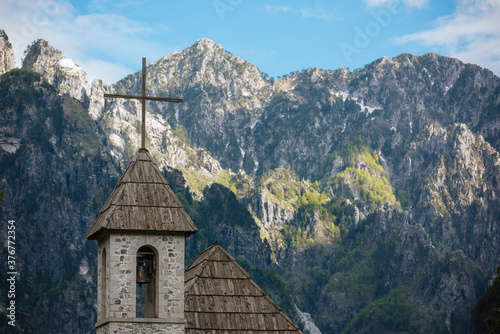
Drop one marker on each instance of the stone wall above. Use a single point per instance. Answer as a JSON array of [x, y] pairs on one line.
[[140, 328], [121, 249]]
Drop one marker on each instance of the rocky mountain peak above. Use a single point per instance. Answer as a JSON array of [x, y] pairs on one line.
[[404, 56], [40, 56], [203, 47], [206, 44], [59, 71], [381, 63], [6, 54], [203, 74]]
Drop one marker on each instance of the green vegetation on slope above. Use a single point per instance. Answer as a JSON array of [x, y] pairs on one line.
[[389, 314], [362, 176], [220, 211], [374, 191], [486, 314]]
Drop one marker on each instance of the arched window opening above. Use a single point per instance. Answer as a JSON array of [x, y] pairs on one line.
[[104, 281], [146, 283]]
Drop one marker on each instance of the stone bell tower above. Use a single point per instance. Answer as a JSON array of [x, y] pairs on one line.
[[140, 235]]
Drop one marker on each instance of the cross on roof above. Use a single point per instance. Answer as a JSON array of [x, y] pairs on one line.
[[143, 97]]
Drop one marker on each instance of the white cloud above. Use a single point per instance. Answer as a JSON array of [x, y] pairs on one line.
[[471, 34], [407, 3], [109, 24], [26, 21], [79, 37], [96, 68], [316, 12]]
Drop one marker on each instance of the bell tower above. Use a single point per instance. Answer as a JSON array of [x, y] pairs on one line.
[[140, 233]]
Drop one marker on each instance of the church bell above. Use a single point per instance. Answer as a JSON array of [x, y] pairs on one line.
[[144, 270]]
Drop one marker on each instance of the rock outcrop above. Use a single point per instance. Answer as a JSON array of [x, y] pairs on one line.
[[6, 53], [59, 71]]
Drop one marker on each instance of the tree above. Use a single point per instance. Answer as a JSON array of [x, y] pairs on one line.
[[486, 314]]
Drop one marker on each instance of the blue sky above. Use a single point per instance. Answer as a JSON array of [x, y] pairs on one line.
[[108, 38]]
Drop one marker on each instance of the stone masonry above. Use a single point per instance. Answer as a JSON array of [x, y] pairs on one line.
[[117, 314], [140, 328]]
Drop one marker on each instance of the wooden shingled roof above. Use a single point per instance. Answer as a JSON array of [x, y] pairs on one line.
[[142, 201], [221, 298]]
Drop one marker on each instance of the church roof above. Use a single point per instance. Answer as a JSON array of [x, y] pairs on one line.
[[142, 201], [220, 298]]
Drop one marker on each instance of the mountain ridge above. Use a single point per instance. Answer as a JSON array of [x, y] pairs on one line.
[[386, 177]]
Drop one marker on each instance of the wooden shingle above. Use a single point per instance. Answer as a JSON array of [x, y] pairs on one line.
[[220, 297], [142, 201]]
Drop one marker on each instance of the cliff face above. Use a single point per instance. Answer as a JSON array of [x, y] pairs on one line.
[[371, 195], [6, 54], [56, 174], [458, 200], [59, 71]]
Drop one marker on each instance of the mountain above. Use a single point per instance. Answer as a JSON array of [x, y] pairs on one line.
[[56, 173], [366, 198], [7, 56]]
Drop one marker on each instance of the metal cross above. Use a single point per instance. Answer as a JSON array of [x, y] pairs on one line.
[[143, 97]]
